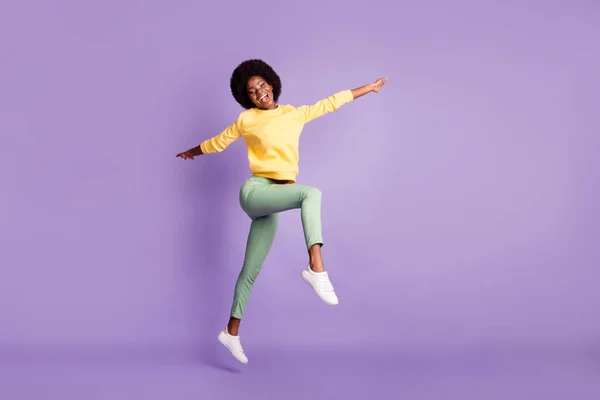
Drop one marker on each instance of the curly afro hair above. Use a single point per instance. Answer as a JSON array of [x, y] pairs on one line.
[[245, 71]]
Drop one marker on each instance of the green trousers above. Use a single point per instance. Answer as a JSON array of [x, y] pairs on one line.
[[261, 199]]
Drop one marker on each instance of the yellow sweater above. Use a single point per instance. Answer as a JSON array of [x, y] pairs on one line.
[[272, 136]]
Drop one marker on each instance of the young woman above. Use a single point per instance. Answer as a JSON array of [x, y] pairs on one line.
[[271, 132]]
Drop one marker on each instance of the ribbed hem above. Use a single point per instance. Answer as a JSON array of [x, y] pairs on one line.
[[280, 176], [203, 148]]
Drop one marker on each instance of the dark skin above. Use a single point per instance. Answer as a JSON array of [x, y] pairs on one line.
[[261, 94]]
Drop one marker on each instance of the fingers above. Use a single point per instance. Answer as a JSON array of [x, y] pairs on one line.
[[379, 83]]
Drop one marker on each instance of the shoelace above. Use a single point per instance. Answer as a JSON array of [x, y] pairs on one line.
[[326, 283], [238, 346]]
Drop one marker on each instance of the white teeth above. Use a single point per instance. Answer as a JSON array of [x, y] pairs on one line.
[[263, 96]]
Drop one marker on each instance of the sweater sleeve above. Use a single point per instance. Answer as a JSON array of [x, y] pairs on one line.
[[322, 107], [221, 141]]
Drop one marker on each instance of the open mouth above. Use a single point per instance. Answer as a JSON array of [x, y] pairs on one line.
[[264, 99]]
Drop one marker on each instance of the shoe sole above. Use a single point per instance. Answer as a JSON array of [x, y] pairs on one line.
[[220, 337], [307, 280]]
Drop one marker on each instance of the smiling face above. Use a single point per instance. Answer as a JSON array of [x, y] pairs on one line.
[[261, 93]]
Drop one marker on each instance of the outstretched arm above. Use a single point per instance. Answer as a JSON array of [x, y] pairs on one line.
[[215, 144], [371, 87], [332, 103]]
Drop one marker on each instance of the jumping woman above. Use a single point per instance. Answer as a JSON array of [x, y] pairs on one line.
[[271, 132]]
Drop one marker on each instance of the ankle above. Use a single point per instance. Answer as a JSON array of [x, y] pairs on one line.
[[317, 267], [232, 332], [233, 326]]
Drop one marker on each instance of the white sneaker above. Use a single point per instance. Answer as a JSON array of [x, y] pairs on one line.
[[234, 345], [321, 284]]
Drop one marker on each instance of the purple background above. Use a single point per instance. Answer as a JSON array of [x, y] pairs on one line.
[[460, 205]]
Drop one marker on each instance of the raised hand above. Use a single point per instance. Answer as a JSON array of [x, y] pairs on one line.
[[378, 84], [368, 88]]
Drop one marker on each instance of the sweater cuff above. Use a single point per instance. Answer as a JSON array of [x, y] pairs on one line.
[[203, 148], [346, 96]]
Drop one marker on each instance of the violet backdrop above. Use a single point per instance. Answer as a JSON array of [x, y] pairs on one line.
[[459, 205]]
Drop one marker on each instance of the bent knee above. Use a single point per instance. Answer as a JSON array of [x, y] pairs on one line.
[[314, 192]]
